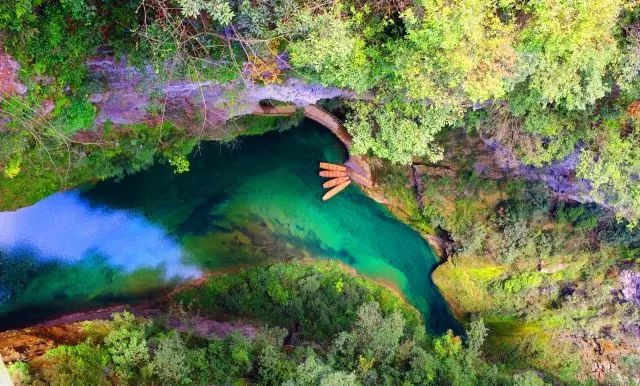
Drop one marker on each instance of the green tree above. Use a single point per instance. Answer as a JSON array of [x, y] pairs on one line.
[[565, 49], [612, 165], [528, 378], [331, 52], [370, 348], [399, 130], [476, 335], [170, 363], [229, 359], [219, 10], [313, 372], [454, 51], [80, 365], [274, 368], [128, 348]]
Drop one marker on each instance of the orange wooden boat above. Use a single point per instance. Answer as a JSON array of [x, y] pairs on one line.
[[335, 190], [328, 166], [335, 182], [332, 173]]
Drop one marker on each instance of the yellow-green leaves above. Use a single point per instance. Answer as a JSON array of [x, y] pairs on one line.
[[180, 164], [332, 53], [455, 51], [566, 47], [219, 10], [12, 168]]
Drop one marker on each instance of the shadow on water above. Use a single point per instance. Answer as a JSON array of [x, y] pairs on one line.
[[243, 205]]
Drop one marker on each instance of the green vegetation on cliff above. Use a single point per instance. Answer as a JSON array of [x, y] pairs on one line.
[[376, 341], [542, 271], [318, 299], [552, 77], [541, 79]]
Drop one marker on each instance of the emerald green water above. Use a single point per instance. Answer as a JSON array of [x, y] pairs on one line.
[[121, 241]]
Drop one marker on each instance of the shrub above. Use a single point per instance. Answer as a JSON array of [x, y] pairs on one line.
[[77, 115], [522, 282], [127, 345], [83, 364], [20, 373], [294, 295]]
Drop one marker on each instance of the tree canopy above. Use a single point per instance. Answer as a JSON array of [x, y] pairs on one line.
[[417, 67]]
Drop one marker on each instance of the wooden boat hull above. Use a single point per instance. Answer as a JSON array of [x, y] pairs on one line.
[[330, 166], [332, 173], [335, 182], [335, 190]]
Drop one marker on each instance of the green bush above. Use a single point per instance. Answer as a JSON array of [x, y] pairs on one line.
[[522, 282], [83, 364], [317, 299], [77, 115], [378, 346], [20, 373]]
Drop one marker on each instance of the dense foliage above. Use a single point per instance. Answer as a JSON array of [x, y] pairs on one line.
[[317, 300], [542, 271], [544, 80], [551, 75], [376, 345]]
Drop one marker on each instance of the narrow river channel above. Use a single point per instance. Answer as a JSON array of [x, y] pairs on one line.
[[258, 200]]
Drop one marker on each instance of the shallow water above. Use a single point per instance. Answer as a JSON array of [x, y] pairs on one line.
[[122, 241]]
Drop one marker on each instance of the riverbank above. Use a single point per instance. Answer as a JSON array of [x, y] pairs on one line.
[[29, 343], [540, 268], [453, 196]]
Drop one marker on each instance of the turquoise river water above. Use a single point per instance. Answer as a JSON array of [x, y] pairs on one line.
[[125, 241]]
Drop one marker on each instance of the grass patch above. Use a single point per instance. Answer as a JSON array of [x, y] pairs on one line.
[[464, 284]]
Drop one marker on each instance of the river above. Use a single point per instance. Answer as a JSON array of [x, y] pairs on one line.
[[254, 201]]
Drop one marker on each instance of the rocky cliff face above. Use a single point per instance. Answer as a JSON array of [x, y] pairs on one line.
[[559, 176], [630, 287], [629, 292], [9, 83], [492, 160], [32, 342], [132, 95]]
